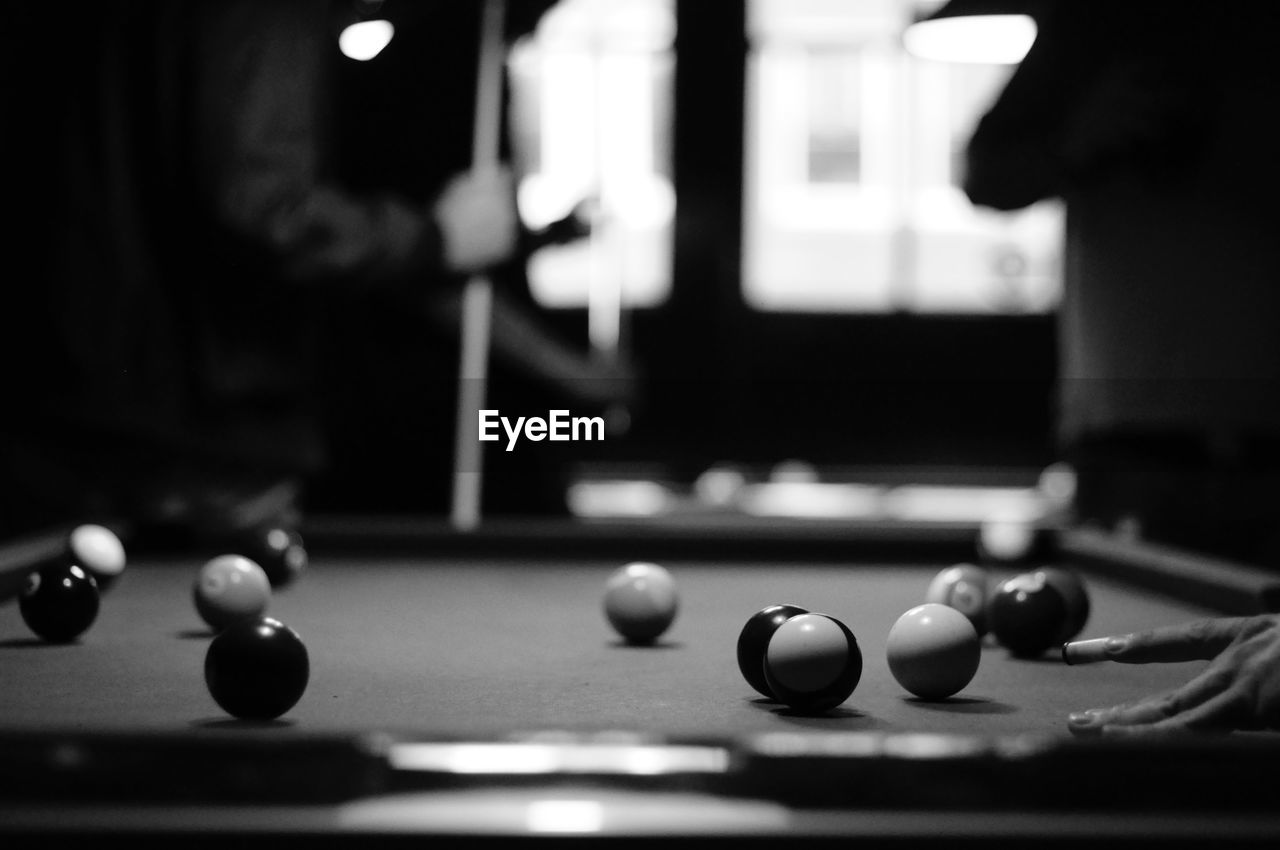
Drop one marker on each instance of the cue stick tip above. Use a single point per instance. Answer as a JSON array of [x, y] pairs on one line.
[[1086, 651]]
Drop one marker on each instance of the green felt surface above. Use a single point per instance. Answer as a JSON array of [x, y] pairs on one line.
[[494, 648]]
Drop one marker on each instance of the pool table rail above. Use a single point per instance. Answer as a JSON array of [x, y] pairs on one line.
[[800, 770]]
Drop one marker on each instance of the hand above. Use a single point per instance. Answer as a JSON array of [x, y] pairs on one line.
[[1240, 689], [478, 222], [579, 223], [524, 343]]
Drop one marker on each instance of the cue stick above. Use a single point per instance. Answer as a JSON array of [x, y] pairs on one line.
[[477, 297], [21, 558], [605, 290], [604, 319]]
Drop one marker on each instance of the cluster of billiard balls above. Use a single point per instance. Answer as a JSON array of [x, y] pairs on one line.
[[256, 667], [809, 661], [1034, 610], [1027, 614], [812, 663], [62, 595], [238, 586]]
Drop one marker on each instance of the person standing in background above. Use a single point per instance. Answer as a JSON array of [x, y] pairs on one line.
[[404, 124], [1149, 121], [187, 233]]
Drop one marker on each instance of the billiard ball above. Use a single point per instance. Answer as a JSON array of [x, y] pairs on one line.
[[1027, 614], [59, 601], [640, 601], [719, 486], [812, 663], [966, 588], [1006, 539], [1075, 594], [1128, 528], [278, 550], [1057, 486], [99, 551], [933, 651], [793, 472], [754, 639], [257, 668], [230, 588]]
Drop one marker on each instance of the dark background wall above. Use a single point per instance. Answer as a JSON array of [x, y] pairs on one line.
[[724, 381]]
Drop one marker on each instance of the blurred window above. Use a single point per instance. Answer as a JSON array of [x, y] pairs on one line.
[[854, 156], [591, 112]]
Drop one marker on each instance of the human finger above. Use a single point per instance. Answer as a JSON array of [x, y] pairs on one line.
[[1225, 712], [1198, 640], [1201, 689]]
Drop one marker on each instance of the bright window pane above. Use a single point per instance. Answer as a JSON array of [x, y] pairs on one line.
[[592, 98], [853, 156]]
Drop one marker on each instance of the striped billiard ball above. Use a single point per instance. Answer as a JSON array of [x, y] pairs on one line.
[[754, 639], [812, 663], [230, 588], [966, 588]]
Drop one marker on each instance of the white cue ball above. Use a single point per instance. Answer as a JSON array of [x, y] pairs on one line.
[[640, 601], [933, 651], [98, 550]]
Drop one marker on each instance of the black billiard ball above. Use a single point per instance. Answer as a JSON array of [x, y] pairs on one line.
[[278, 550], [59, 601], [1028, 614], [1075, 594], [754, 639], [257, 669], [99, 551], [812, 663]]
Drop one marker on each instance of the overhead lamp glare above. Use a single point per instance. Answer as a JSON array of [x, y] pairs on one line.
[[365, 39], [967, 32]]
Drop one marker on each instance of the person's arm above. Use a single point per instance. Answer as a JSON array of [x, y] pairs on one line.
[[1240, 689], [260, 85], [1013, 157], [526, 346], [523, 343], [1104, 86]]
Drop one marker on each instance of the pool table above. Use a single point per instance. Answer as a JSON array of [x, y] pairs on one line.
[[467, 687]]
